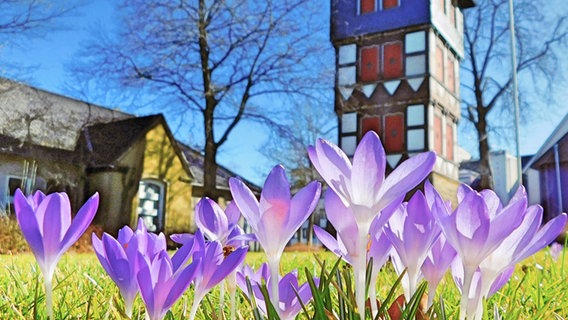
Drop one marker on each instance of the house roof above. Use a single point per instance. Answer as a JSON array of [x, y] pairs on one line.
[[12, 146], [559, 132], [105, 143], [196, 165]]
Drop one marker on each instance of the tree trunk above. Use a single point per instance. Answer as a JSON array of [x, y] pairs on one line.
[[486, 176], [210, 161]]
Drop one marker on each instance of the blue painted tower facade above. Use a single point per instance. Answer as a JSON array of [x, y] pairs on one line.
[[398, 74]]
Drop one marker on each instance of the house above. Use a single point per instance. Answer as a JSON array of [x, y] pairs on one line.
[[504, 171], [54, 143], [545, 174]]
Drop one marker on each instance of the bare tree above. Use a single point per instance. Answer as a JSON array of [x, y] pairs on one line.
[[311, 121], [486, 78], [222, 60], [24, 19]]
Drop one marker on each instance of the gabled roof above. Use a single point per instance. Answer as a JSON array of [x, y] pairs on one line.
[[104, 144], [196, 165], [12, 146], [560, 132]]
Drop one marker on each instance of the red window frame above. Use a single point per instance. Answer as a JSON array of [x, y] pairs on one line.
[[439, 64], [451, 79], [449, 142], [392, 60], [371, 124], [369, 67], [394, 133], [438, 137], [367, 6], [388, 4]]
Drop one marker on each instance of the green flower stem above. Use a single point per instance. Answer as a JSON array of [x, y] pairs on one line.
[[221, 298], [196, 301], [49, 296], [232, 287], [467, 278], [274, 266], [360, 268]]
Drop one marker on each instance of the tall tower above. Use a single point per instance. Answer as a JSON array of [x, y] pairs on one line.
[[398, 74]]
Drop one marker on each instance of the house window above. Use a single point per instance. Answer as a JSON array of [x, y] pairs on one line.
[[13, 183], [394, 133], [348, 145], [151, 204], [347, 58], [439, 71], [415, 123], [451, 80], [348, 134], [438, 137], [392, 60], [387, 4], [415, 51], [367, 6], [369, 67], [371, 124], [449, 141]]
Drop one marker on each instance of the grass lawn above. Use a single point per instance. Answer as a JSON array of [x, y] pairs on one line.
[[537, 290]]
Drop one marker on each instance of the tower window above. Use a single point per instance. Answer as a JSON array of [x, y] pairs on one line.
[[438, 143], [387, 4], [392, 60], [449, 141], [367, 6], [369, 67], [451, 80], [371, 124], [394, 133]]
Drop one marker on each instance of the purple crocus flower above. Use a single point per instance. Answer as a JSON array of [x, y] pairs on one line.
[[277, 216], [477, 227], [162, 284], [254, 276], [340, 216], [216, 265], [219, 225], [412, 231], [222, 226], [118, 257], [555, 250], [362, 186], [289, 305], [437, 262], [46, 224], [521, 243]]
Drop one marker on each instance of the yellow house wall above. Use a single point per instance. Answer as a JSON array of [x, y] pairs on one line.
[[116, 189], [161, 162], [446, 187]]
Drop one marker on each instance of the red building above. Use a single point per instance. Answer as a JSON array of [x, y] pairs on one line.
[[398, 75]]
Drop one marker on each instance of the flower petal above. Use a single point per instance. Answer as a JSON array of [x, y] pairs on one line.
[[211, 219], [231, 262], [303, 204], [333, 166], [181, 283], [246, 201], [81, 222], [28, 224], [56, 222], [368, 173], [405, 177]]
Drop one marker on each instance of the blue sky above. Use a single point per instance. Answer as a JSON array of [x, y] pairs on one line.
[[50, 55]]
